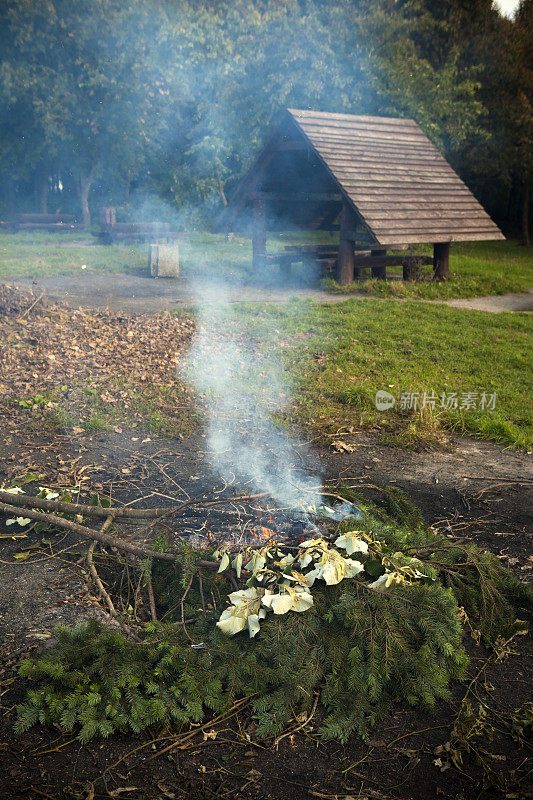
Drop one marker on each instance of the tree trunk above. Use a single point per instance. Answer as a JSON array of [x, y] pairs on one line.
[[526, 201], [86, 181], [346, 261], [259, 235], [41, 191]]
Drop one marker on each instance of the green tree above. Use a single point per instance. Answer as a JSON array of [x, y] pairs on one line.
[[86, 79]]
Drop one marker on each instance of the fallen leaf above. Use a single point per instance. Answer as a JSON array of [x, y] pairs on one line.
[[342, 447], [162, 788]]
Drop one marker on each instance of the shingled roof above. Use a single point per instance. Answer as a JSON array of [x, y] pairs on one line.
[[389, 172]]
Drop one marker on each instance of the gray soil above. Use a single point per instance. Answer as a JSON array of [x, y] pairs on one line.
[[140, 294], [137, 294]]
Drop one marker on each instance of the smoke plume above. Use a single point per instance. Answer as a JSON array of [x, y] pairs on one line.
[[243, 387]]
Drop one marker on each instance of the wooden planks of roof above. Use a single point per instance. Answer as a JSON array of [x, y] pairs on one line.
[[381, 161], [375, 178]]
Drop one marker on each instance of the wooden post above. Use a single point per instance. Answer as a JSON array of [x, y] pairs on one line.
[[379, 272], [259, 235], [441, 261], [346, 263], [407, 269]]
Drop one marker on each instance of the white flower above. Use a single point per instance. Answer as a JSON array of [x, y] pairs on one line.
[[385, 580], [353, 567], [20, 520], [244, 612], [224, 563], [243, 596], [302, 600], [15, 490], [311, 577], [237, 564], [253, 625], [333, 569], [311, 543], [256, 562], [380, 583], [332, 572], [50, 495], [286, 560]]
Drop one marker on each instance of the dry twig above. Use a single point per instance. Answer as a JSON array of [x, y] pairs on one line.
[[101, 588], [88, 533]]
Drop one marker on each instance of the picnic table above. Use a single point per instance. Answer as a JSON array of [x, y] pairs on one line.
[[325, 257], [113, 231], [45, 222]]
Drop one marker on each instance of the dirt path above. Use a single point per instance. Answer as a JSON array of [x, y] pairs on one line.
[[516, 301], [139, 294]]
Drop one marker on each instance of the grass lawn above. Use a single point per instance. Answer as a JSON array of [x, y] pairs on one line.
[[339, 356], [336, 357], [36, 255], [476, 268]]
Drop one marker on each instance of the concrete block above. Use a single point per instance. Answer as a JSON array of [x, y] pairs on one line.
[[164, 260]]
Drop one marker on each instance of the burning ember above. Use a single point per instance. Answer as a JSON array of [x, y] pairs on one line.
[[242, 526]]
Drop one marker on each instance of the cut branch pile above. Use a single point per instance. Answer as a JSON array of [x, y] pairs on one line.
[[23, 505], [358, 619]]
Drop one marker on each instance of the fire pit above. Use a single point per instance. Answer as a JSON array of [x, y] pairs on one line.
[[240, 525], [271, 609]]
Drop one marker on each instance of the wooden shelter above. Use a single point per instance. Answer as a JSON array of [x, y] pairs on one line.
[[379, 181]]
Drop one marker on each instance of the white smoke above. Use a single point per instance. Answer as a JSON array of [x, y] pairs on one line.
[[242, 387]]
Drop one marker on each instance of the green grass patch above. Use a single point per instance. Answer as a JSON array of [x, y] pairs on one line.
[[41, 254], [37, 255], [339, 356], [476, 269]]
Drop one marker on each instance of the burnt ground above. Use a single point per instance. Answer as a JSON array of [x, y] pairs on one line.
[[475, 490]]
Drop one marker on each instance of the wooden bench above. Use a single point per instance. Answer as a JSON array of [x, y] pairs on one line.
[[45, 222], [113, 231], [131, 231], [325, 257]]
